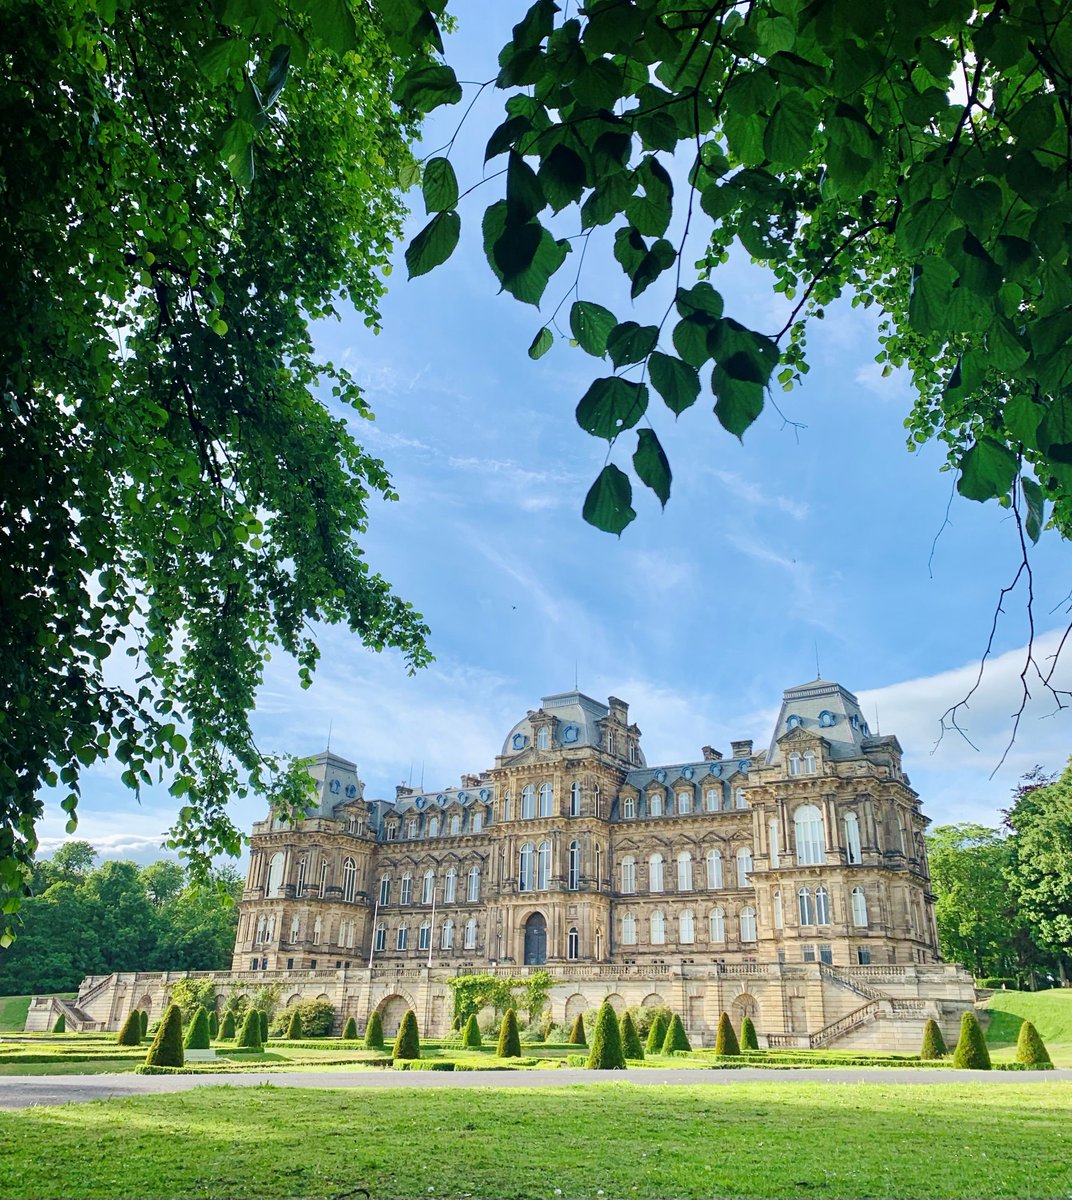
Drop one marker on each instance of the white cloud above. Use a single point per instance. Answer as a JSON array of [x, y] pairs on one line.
[[756, 496]]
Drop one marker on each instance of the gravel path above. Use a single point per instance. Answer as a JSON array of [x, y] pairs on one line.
[[26, 1090]]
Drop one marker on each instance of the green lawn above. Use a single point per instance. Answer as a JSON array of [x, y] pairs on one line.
[[1050, 1012], [13, 1010], [613, 1140]]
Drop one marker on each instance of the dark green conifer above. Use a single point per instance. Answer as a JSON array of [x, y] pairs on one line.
[[408, 1041], [294, 1029], [374, 1032], [213, 1025], [227, 1028], [61, 1024], [749, 1040], [576, 1034], [264, 1026], [509, 1037], [197, 1034], [144, 1022], [676, 1037], [250, 1037], [933, 1043], [725, 1039], [166, 1049], [606, 1053], [349, 1031], [971, 1053], [1030, 1048], [631, 1046], [471, 1033], [130, 1034]]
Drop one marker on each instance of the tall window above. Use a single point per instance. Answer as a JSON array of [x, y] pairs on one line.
[[807, 907], [748, 924], [528, 802], [810, 836], [718, 925], [406, 893], [852, 838], [575, 800], [655, 804], [385, 890], [543, 738], [684, 802], [859, 907], [629, 874], [295, 926], [658, 928], [684, 871], [455, 824], [300, 885], [323, 878], [450, 887], [711, 799], [506, 806], [794, 763], [476, 821], [739, 797], [629, 930], [473, 892], [411, 828], [714, 869], [433, 826], [655, 873], [446, 935], [470, 934], [381, 937], [744, 866], [779, 919], [428, 887], [527, 867], [628, 807], [597, 867], [822, 906], [686, 928], [317, 931], [402, 940], [424, 936], [574, 880], [349, 880], [809, 762], [547, 799], [275, 875], [573, 945], [772, 835], [543, 866]]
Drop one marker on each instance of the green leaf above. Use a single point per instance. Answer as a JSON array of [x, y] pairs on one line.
[[523, 256], [221, 56], [332, 24], [652, 466], [1055, 431], [932, 293], [1021, 416], [608, 505], [434, 244], [986, 470], [236, 148], [1036, 505], [440, 186], [561, 177], [691, 336], [738, 384], [790, 135], [678, 383], [506, 136], [541, 343], [590, 324], [278, 66], [427, 86], [610, 405], [650, 213], [524, 197], [699, 299], [629, 249], [630, 342], [659, 258]]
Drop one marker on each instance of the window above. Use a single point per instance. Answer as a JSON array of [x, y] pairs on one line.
[[809, 762], [826, 955], [547, 799], [863, 957], [822, 906], [323, 878], [629, 874], [349, 880], [470, 934], [455, 824], [381, 937], [810, 836], [476, 821], [474, 884], [772, 837], [686, 928], [316, 931], [628, 807], [826, 719], [351, 824], [748, 924], [262, 925], [446, 936], [506, 806], [543, 866], [294, 927], [428, 887], [744, 866], [574, 880], [385, 890], [424, 936], [807, 907], [792, 721], [794, 763], [403, 938], [859, 908], [525, 871], [711, 799], [852, 838], [406, 894], [573, 945], [807, 953], [658, 929], [629, 930], [528, 802], [739, 798], [392, 832], [779, 918], [575, 800], [411, 828], [718, 925], [275, 875], [597, 873], [684, 802], [450, 887], [655, 873], [433, 826], [714, 869], [543, 738], [684, 871], [655, 804], [300, 885]]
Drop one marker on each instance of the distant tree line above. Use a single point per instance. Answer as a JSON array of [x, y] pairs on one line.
[[1004, 896], [84, 919]]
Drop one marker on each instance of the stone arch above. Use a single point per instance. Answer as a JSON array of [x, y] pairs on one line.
[[653, 1000], [392, 1009], [221, 1000], [576, 1005], [743, 1006], [145, 1004], [295, 999], [324, 996], [616, 1002]]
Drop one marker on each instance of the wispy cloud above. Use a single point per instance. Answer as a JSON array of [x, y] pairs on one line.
[[756, 496]]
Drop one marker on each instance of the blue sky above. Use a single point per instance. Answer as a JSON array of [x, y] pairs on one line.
[[808, 538]]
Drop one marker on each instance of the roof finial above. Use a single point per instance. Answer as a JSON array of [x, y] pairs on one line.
[[818, 673], [330, 724]]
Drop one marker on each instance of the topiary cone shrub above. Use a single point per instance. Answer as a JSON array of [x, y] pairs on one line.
[[166, 1050], [471, 1033], [408, 1041], [197, 1034], [130, 1034], [227, 1028], [61, 1024], [1030, 1048], [749, 1039], [509, 1038], [631, 1046], [374, 1032], [657, 1033], [676, 1037], [726, 1040], [576, 1034], [971, 1053], [349, 1030], [263, 1017], [606, 1053], [250, 1037], [213, 1025], [144, 1022], [294, 1029], [933, 1043]]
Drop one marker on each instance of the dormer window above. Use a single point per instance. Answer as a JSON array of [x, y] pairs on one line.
[[854, 721], [335, 787], [543, 738], [827, 719], [628, 808], [655, 804], [809, 762], [793, 721], [794, 763]]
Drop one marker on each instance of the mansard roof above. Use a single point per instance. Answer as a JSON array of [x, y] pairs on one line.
[[827, 710]]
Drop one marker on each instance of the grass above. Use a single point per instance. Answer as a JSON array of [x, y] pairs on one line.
[[1050, 1012], [13, 1010], [614, 1140]]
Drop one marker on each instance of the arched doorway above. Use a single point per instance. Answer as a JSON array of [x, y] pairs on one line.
[[392, 1010], [535, 940]]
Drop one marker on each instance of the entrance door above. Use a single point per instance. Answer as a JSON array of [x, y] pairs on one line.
[[535, 940]]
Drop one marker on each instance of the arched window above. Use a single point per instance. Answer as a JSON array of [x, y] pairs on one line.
[[748, 924], [628, 807], [852, 838], [807, 907], [406, 892], [474, 884], [300, 885], [794, 763], [810, 836], [527, 865], [718, 925], [658, 928], [428, 887], [779, 918], [684, 871], [822, 906], [528, 802], [573, 945], [349, 880], [543, 866], [711, 799], [402, 940], [684, 802], [655, 804], [411, 828], [455, 824], [381, 936], [739, 798], [575, 800], [714, 869], [450, 887], [574, 880], [772, 837], [655, 873], [470, 934], [385, 890], [744, 866], [809, 762], [543, 738], [446, 935], [424, 935], [859, 908], [433, 826], [476, 821], [547, 799], [629, 930], [275, 875], [323, 878], [686, 928], [629, 874]]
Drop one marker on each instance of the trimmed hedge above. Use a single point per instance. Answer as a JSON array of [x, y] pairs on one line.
[[576, 1035], [263, 1017], [509, 1038], [749, 1038], [250, 1037], [227, 1027], [471, 1033], [726, 1040], [971, 1053], [130, 1034], [166, 1050], [374, 1032], [631, 1046], [61, 1024], [676, 1037], [349, 1030], [933, 1043], [317, 1018], [213, 1025], [657, 1032], [997, 983], [294, 1029], [1030, 1048], [197, 1035], [144, 1022], [606, 1053], [408, 1041]]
